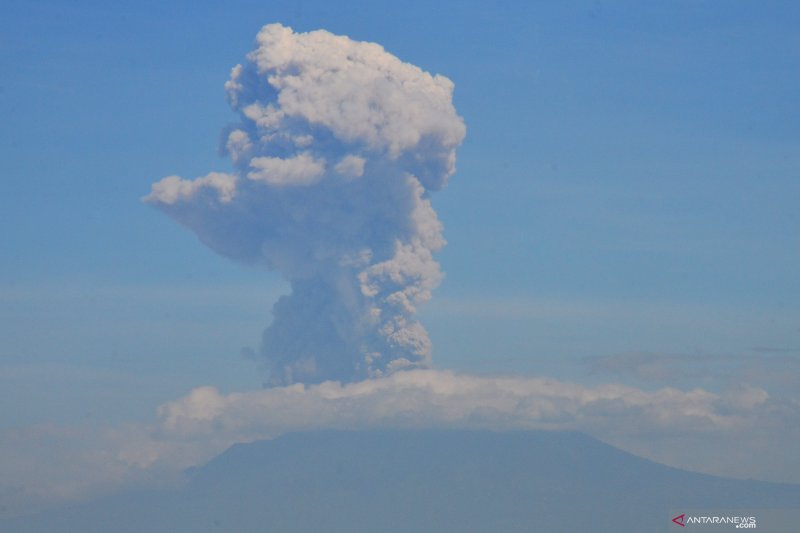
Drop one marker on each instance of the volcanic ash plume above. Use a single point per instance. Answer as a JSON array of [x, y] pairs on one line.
[[338, 147]]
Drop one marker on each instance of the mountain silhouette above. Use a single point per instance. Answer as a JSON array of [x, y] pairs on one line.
[[407, 480]]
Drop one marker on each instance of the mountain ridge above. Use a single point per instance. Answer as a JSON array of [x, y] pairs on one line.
[[418, 480]]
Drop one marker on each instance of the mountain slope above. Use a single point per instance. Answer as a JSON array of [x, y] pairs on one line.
[[418, 481]]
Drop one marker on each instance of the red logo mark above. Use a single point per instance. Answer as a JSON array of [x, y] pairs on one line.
[[679, 520]]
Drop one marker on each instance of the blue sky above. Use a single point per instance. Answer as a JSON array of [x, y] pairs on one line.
[[628, 188]]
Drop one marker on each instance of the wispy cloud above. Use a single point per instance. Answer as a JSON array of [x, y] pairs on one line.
[[778, 372]]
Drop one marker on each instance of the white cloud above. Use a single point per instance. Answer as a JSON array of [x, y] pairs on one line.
[[239, 146], [300, 170], [205, 422], [423, 398], [351, 166], [173, 189], [357, 90]]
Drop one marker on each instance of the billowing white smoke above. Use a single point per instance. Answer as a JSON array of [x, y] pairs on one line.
[[338, 147]]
